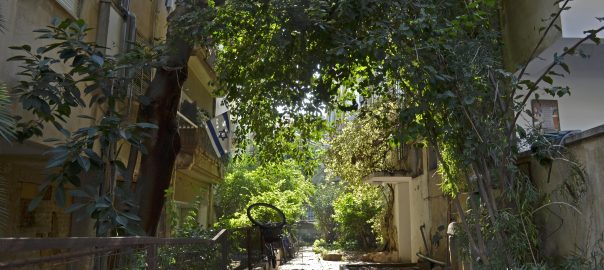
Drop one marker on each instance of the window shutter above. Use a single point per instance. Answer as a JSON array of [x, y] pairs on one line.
[[70, 5]]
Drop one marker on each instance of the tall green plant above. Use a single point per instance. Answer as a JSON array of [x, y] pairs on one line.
[[355, 211], [322, 203], [53, 95]]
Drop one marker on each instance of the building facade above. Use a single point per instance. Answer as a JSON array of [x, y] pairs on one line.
[[523, 25], [115, 24]]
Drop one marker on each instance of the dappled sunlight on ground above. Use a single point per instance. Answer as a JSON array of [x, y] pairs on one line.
[[306, 259]]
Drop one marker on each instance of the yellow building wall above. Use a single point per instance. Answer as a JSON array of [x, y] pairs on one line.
[[19, 161]]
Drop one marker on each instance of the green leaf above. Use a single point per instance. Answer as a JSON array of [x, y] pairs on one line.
[[79, 193], [146, 125], [98, 59], [131, 216], [86, 117], [521, 132], [58, 159], [565, 67], [55, 21], [548, 79], [34, 203], [121, 220], [84, 163], [101, 205], [469, 100], [60, 196], [74, 207]]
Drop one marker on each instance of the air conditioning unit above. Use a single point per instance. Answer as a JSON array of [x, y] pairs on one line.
[[170, 5]]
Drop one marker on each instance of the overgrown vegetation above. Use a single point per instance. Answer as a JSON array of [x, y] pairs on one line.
[[322, 203], [246, 183], [440, 59], [284, 63], [189, 256], [356, 212]]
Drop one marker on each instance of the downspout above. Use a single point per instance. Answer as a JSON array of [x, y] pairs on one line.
[[130, 42], [102, 29]]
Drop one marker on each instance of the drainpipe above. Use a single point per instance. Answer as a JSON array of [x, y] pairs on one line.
[[130, 30], [102, 28], [130, 42]]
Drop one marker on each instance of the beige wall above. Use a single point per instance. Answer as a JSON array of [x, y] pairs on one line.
[[583, 108], [23, 174], [23, 165], [576, 231], [420, 202], [520, 23], [197, 86], [24, 16]]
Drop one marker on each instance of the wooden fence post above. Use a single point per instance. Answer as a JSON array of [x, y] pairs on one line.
[[248, 237], [225, 250], [152, 257]]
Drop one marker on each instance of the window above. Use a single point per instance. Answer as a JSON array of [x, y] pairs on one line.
[[546, 115], [71, 6]]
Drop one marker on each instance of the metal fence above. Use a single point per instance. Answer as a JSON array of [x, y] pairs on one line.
[[233, 249], [103, 253], [246, 248]]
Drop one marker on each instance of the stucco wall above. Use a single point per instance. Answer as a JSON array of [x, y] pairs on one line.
[[419, 202], [23, 165], [565, 231], [520, 23], [582, 16], [583, 108]]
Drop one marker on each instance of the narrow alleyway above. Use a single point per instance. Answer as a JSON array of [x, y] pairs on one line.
[[308, 260]]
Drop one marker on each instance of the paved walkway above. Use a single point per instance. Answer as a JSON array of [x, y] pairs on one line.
[[308, 260]]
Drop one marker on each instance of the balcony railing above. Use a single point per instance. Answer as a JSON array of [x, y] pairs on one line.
[[194, 138]]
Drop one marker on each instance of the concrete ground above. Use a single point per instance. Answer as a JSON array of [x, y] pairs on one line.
[[306, 259]]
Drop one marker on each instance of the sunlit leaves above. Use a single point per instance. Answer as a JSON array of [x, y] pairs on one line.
[[280, 184]]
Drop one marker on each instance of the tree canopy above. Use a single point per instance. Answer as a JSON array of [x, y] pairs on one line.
[[282, 64]]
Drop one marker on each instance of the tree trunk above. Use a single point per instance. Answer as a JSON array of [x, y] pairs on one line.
[[163, 97], [389, 222]]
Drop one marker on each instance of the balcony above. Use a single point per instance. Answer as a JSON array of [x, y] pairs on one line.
[[195, 144], [406, 162]]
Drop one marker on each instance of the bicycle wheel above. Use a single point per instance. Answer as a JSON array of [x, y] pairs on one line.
[[267, 223]]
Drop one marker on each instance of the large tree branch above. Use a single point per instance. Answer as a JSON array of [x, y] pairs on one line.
[[163, 99]]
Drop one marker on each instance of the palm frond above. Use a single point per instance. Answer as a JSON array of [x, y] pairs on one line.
[[7, 122]]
